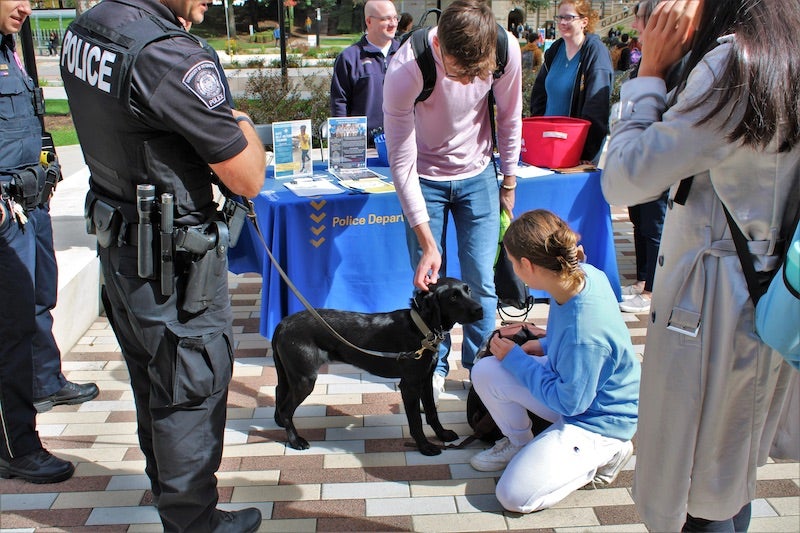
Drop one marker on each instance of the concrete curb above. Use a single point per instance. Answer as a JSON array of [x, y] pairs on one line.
[[78, 267]]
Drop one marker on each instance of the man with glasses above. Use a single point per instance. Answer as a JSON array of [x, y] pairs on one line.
[[357, 84], [440, 150]]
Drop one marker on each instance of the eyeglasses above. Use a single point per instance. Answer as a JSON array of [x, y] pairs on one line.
[[455, 76], [568, 18], [390, 18]]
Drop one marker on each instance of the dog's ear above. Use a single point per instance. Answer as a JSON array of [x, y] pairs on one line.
[[418, 298], [427, 305]]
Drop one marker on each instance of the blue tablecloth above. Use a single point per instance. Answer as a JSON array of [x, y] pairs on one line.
[[348, 251]]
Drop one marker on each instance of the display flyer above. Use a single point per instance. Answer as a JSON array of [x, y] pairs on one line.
[[292, 146]]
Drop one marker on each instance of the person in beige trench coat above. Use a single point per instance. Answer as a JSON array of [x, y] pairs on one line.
[[713, 396]]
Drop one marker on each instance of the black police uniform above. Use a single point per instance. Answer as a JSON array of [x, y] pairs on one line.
[[149, 107]]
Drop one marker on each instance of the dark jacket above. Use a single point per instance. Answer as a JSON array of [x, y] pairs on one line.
[[357, 83], [591, 96]]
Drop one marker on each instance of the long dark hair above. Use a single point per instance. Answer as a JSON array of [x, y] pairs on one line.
[[762, 70]]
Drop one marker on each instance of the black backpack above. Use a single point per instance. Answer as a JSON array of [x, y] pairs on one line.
[[478, 416], [425, 62]]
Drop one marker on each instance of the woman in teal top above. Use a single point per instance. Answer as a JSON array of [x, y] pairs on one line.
[[577, 76]]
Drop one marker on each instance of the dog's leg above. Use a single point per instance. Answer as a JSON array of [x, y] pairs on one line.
[[287, 398], [284, 412], [432, 414], [410, 395]]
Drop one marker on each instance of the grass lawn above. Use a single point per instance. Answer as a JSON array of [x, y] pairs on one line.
[[58, 121], [245, 46]]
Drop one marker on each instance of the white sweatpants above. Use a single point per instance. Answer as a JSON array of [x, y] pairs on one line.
[[560, 460]]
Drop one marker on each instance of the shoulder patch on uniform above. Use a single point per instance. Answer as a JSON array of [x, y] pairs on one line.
[[203, 80]]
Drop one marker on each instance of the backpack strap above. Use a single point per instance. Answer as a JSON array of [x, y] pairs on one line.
[[425, 62], [757, 282], [501, 52]]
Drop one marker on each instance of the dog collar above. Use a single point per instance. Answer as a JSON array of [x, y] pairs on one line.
[[432, 339]]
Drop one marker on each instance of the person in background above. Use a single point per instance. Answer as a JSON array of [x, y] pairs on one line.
[[713, 394], [27, 270], [166, 99], [624, 59], [358, 72], [582, 75], [532, 55], [636, 46], [440, 152], [404, 25], [52, 43], [581, 374], [648, 217]]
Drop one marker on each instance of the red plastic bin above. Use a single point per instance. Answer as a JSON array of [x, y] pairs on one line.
[[553, 142]]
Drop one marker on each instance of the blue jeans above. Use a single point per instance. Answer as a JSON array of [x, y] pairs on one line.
[[474, 205]]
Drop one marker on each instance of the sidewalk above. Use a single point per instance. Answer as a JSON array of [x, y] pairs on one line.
[[359, 475]]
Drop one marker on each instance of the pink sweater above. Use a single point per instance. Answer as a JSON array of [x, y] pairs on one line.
[[449, 136]]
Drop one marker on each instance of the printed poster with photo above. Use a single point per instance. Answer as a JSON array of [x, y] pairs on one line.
[[292, 147], [347, 143]]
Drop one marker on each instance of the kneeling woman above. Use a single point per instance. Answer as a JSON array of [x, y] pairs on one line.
[[583, 376]]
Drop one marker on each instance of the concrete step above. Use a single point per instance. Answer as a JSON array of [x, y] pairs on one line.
[[78, 267]]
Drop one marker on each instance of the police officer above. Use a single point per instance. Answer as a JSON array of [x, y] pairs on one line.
[[151, 114], [21, 452]]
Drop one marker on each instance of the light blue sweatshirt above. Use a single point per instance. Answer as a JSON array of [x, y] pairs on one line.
[[592, 375]]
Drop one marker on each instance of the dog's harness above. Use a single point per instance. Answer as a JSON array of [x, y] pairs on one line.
[[430, 342]]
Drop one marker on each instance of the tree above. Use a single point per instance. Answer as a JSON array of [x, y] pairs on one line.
[[84, 5], [537, 6]]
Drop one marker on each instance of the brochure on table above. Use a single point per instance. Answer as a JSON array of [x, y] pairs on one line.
[[292, 146], [347, 156], [313, 186]]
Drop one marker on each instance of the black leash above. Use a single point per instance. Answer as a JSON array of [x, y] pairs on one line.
[[430, 342]]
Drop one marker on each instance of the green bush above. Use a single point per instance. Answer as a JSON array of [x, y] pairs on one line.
[[254, 63], [528, 77], [269, 98]]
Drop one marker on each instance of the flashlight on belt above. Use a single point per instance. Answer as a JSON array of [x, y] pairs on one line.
[[145, 198]]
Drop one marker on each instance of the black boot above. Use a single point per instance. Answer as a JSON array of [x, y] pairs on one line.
[[244, 521], [70, 394], [37, 467]]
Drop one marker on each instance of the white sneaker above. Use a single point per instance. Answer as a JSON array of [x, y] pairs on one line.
[[438, 387], [607, 473], [637, 304], [437, 382], [496, 457], [629, 291]]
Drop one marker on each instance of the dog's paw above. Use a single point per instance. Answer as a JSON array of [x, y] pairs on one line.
[[447, 435], [299, 443], [429, 448]]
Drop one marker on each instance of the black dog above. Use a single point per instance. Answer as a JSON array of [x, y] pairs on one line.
[[301, 344]]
